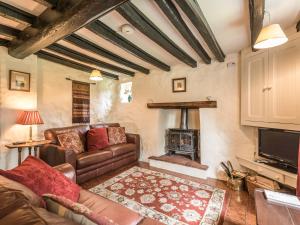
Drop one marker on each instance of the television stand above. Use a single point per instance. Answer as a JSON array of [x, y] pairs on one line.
[[282, 166], [271, 172]]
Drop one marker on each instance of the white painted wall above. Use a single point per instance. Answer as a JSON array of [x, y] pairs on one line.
[[12, 102], [222, 137]]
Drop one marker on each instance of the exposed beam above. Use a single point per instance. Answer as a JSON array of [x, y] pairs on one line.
[[16, 14], [71, 20], [134, 16], [196, 16], [170, 10], [298, 26], [47, 3], [256, 11], [107, 33], [87, 59], [8, 31], [66, 62], [90, 46]]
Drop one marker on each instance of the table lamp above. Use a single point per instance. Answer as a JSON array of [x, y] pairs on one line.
[[30, 118]]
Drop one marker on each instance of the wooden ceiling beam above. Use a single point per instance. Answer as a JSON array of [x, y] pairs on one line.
[[90, 46], [196, 16], [66, 62], [8, 31], [134, 16], [71, 20], [257, 12], [109, 34], [87, 59], [170, 10], [16, 14]]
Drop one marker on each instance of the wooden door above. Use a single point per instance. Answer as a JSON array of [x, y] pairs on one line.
[[284, 83], [254, 89]]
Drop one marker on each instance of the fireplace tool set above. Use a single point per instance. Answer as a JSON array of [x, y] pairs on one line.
[[235, 178]]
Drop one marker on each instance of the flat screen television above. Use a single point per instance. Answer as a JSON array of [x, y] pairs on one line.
[[281, 146]]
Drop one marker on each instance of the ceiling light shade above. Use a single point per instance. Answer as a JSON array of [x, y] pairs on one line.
[[96, 75], [270, 36]]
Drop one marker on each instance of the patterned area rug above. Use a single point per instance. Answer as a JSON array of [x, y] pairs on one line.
[[166, 198]]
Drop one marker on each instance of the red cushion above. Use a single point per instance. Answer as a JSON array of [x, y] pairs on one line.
[[97, 139], [42, 179]]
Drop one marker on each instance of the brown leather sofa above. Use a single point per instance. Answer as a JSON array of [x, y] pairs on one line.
[[28, 212], [90, 164]]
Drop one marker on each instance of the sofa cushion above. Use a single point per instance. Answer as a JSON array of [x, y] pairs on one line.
[[32, 197], [104, 207], [116, 135], [74, 211], [89, 158], [121, 149], [71, 141], [42, 179], [97, 139]]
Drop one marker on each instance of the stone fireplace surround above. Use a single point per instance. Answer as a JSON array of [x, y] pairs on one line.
[[189, 146]]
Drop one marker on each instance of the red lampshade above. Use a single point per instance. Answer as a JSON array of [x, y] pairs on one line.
[[29, 118]]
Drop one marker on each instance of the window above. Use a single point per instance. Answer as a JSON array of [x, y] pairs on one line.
[[126, 92]]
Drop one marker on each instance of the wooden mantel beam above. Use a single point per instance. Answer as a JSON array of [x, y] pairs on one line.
[[183, 105], [134, 16], [196, 16], [256, 11], [170, 10], [71, 20]]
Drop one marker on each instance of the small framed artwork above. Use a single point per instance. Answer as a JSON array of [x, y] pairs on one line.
[[19, 81], [179, 84]]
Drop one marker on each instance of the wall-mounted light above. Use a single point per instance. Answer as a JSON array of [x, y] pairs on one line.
[[96, 75]]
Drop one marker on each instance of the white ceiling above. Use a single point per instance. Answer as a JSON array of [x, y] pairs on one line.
[[229, 21]]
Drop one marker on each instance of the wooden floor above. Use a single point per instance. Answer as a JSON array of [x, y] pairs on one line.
[[241, 209]]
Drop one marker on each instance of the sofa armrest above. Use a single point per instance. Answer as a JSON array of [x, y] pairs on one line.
[[68, 170], [134, 139], [55, 155]]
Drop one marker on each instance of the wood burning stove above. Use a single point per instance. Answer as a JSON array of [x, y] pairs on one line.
[[183, 141]]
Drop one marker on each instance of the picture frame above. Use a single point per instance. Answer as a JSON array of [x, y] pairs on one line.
[[179, 84], [19, 81]]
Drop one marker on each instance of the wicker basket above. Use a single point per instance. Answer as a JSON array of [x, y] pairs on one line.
[[252, 184]]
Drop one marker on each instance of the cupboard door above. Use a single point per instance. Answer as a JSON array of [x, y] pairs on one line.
[[284, 84], [254, 92]]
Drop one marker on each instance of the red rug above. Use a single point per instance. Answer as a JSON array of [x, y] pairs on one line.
[[166, 198]]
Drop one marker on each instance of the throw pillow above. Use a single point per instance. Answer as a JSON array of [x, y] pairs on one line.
[[97, 139], [72, 141], [41, 179], [76, 212], [116, 135]]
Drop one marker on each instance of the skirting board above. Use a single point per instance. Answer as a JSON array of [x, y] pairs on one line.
[[190, 171]]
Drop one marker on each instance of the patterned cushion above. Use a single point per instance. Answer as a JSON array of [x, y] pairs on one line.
[[116, 135], [74, 211], [71, 140], [42, 178]]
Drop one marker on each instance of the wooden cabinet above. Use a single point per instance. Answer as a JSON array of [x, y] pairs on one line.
[[270, 87]]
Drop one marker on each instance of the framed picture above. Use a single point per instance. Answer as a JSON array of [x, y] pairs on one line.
[[179, 84], [19, 81]]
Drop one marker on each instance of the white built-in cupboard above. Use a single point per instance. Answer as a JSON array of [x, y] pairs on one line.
[[270, 86], [270, 97]]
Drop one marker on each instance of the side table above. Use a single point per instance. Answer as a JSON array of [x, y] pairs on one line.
[[34, 144]]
